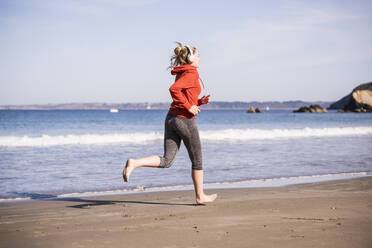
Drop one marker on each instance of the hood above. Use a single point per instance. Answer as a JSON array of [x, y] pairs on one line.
[[182, 68]]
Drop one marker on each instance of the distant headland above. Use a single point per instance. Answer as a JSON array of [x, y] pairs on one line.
[[272, 105], [359, 100]]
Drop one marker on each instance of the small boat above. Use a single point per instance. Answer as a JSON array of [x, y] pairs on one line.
[[267, 108], [114, 110]]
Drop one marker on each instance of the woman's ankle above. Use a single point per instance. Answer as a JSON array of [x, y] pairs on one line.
[[132, 162]]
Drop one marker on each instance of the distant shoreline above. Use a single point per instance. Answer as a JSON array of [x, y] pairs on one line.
[[217, 105]]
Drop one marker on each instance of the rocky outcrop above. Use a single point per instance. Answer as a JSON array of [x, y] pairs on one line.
[[311, 109], [253, 110], [359, 100]]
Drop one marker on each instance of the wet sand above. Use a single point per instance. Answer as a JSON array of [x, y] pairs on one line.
[[325, 214]]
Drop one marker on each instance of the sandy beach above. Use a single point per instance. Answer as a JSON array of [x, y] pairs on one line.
[[324, 214]]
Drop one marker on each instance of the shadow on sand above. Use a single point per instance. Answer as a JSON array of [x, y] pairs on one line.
[[86, 203]]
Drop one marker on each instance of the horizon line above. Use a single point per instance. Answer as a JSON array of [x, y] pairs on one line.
[[162, 102]]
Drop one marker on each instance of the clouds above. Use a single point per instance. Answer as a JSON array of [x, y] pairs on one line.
[[109, 50], [309, 35], [296, 51]]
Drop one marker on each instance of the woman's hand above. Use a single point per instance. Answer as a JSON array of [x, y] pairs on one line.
[[205, 99], [194, 110]]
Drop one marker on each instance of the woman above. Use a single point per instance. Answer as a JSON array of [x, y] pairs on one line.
[[180, 122]]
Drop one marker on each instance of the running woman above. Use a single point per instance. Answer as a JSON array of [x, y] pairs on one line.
[[180, 122]]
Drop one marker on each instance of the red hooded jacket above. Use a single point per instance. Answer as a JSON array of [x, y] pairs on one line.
[[185, 91]]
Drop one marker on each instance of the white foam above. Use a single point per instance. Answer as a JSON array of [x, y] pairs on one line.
[[211, 135], [85, 139], [283, 181], [14, 199], [263, 134]]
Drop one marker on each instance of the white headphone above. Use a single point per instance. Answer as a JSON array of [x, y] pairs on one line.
[[190, 56]]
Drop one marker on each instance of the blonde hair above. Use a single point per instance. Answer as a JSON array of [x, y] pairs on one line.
[[180, 55]]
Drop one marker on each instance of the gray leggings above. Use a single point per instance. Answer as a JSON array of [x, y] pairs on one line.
[[177, 129]]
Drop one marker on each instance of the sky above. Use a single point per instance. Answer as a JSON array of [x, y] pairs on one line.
[[114, 51]]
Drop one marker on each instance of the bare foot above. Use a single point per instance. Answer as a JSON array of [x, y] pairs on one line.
[[128, 170], [206, 198]]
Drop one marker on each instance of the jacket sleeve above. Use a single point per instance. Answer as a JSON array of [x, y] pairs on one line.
[[185, 81]]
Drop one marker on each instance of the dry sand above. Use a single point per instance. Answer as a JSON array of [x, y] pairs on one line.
[[327, 214]]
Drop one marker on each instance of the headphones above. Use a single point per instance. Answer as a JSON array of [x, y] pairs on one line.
[[190, 56]]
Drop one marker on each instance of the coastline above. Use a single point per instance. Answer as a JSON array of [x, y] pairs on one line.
[[334, 213], [214, 105], [250, 183]]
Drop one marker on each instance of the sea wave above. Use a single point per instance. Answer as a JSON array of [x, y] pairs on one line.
[[84, 139], [210, 135]]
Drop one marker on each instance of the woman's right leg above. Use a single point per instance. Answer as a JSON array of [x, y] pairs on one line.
[[201, 197], [188, 130]]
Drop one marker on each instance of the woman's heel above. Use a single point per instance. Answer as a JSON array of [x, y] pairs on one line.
[[125, 176]]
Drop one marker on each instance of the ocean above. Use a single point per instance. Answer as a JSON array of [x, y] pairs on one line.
[[64, 153]]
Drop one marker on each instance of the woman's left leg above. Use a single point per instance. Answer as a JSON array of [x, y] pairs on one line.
[[150, 161], [172, 144]]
